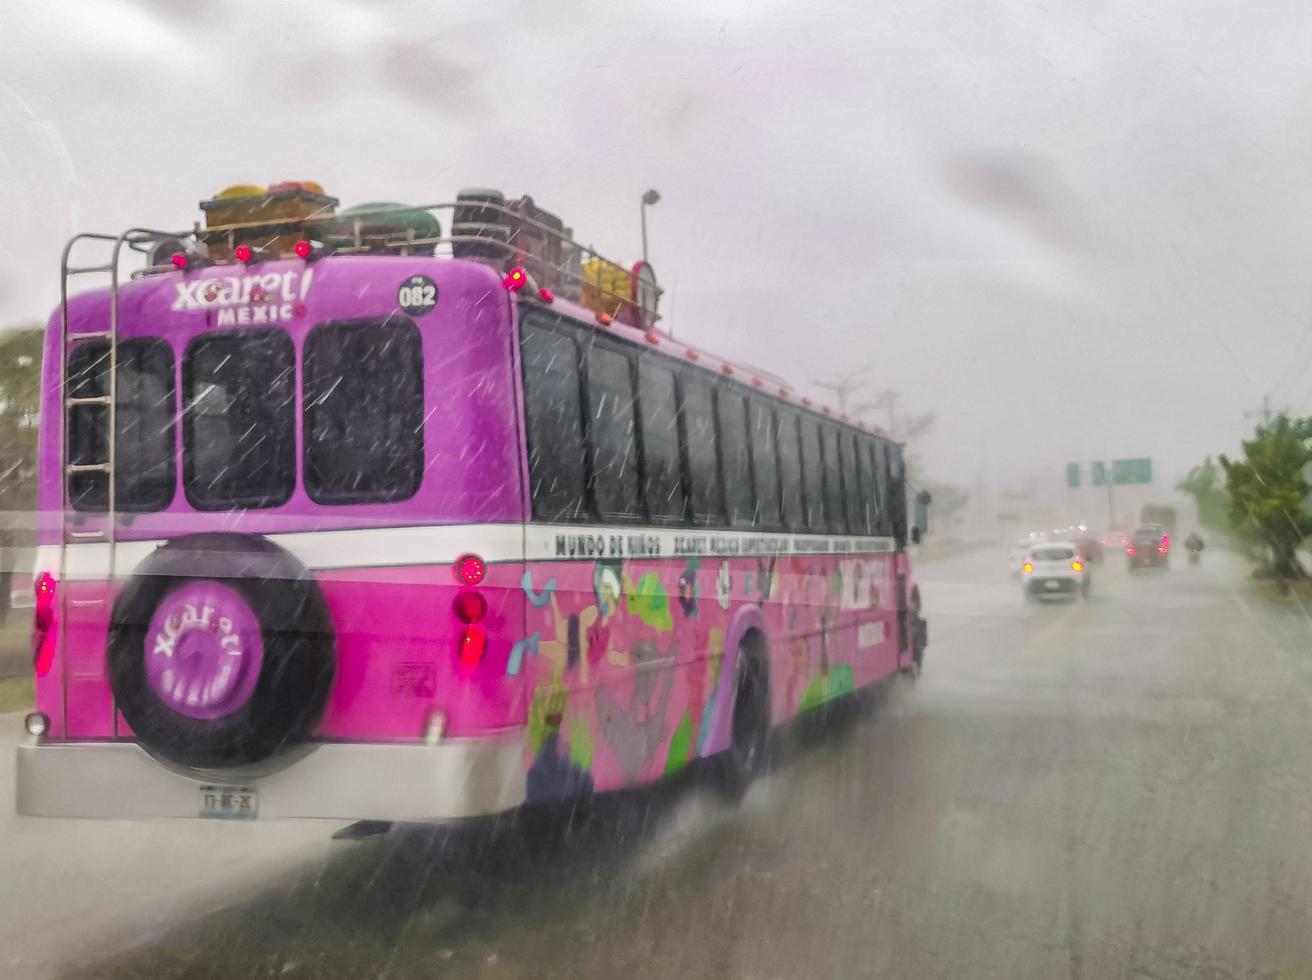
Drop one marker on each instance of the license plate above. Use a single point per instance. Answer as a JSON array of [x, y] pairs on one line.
[[1051, 586], [229, 802]]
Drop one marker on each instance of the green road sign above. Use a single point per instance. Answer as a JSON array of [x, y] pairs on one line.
[[1132, 471], [1098, 473], [1072, 475]]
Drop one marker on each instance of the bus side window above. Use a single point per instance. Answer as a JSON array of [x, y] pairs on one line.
[[865, 464], [765, 467], [732, 413], [880, 459], [557, 462], [611, 436], [790, 472], [813, 475], [703, 453], [856, 515], [837, 519], [662, 467], [897, 496]]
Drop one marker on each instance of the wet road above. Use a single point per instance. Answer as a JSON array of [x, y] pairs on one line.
[[1117, 788]]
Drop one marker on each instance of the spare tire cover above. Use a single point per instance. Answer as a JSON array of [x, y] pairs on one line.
[[220, 651]]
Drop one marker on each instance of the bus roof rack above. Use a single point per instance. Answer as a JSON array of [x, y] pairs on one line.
[[483, 227]]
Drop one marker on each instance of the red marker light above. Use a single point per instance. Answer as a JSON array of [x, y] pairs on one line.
[[652, 337], [757, 383], [469, 606], [242, 253], [546, 295], [727, 369], [179, 260], [515, 279], [692, 354], [303, 248], [471, 569], [605, 319], [784, 392]]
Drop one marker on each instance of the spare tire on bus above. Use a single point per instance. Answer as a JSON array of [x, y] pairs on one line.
[[221, 651]]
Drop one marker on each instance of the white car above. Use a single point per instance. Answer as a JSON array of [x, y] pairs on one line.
[[1054, 570]]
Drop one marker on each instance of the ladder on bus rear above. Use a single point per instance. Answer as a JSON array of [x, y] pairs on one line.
[[134, 238], [108, 400]]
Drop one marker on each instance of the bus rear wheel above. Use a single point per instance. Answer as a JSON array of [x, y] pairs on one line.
[[746, 757], [220, 651]]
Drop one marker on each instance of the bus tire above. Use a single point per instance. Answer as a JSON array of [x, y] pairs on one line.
[[187, 607], [919, 635], [749, 729]]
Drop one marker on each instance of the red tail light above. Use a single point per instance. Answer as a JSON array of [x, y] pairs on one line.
[[43, 636], [1161, 550], [473, 644], [1129, 550], [243, 253], [470, 606]]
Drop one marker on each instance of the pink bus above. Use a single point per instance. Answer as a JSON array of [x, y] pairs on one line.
[[345, 517]]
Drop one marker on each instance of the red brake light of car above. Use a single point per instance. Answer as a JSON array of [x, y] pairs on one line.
[[1129, 550], [43, 636], [471, 569], [1161, 550]]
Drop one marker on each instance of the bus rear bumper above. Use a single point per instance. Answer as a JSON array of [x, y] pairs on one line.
[[453, 779]]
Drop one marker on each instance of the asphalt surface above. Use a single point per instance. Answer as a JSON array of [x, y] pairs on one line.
[[1114, 788]]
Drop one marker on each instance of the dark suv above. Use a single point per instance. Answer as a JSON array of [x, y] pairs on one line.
[[1149, 545]]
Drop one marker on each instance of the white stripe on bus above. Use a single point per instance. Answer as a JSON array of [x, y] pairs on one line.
[[436, 544]]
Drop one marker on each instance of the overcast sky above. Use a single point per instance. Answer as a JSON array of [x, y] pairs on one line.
[[1072, 229]]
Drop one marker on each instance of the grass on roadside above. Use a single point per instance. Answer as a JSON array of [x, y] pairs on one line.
[[16, 694], [1297, 592]]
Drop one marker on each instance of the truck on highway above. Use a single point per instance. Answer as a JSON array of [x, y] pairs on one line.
[[1163, 515]]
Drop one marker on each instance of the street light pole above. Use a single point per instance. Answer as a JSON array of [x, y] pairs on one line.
[[649, 198]]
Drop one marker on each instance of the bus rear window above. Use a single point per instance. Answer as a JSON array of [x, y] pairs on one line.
[[238, 424], [364, 411], [143, 444]]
